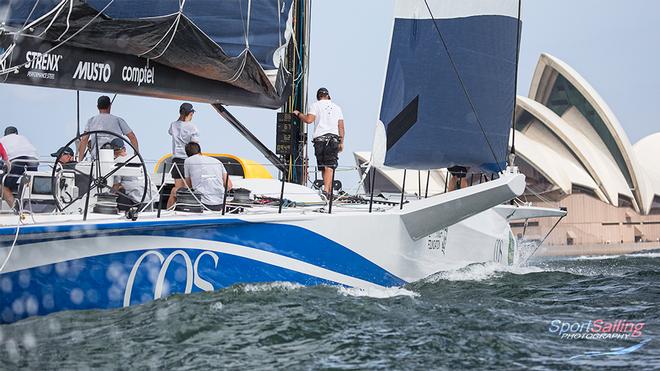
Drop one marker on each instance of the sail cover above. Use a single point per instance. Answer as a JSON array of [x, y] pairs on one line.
[[443, 107], [204, 50]]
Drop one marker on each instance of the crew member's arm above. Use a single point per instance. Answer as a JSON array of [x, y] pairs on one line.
[[82, 147], [3, 153], [133, 139], [188, 182], [307, 119], [341, 135]]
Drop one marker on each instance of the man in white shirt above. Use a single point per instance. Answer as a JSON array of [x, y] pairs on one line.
[[108, 122], [22, 156], [129, 188], [183, 131], [206, 175], [328, 137]]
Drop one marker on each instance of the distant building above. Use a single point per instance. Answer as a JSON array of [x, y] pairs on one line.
[[574, 153]]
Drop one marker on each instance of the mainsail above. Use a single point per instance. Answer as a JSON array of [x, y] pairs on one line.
[[449, 91], [203, 50]]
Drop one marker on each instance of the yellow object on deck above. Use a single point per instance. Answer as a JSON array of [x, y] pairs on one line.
[[235, 166]]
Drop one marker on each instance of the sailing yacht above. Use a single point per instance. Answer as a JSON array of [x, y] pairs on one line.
[[447, 100]]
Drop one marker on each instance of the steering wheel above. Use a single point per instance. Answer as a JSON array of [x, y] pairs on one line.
[[94, 179]]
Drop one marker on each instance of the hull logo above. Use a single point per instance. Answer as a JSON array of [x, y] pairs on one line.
[[192, 273]]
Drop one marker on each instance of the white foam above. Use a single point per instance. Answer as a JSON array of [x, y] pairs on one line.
[[376, 292], [480, 272], [270, 286], [644, 255]]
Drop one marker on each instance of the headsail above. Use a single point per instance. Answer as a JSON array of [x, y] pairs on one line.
[[449, 91], [201, 50]]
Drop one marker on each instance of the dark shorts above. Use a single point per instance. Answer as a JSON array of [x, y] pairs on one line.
[[326, 149], [178, 171], [19, 166], [214, 207]]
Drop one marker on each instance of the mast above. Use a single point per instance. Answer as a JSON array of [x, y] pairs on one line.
[[297, 63]]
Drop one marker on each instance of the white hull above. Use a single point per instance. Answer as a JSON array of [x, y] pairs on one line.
[[107, 263]]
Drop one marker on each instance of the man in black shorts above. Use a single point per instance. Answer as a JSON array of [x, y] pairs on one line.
[[328, 135], [23, 157], [183, 131]]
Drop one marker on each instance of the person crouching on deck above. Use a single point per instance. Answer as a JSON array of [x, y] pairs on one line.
[[206, 175], [183, 131], [328, 135], [128, 188]]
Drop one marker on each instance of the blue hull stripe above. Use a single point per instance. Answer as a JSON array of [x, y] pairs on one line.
[[286, 240], [99, 282]]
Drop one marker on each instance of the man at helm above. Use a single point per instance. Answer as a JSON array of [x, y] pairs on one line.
[[328, 137]]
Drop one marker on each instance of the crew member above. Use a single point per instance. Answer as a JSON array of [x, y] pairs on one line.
[[328, 135], [206, 175], [183, 131], [64, 156], [458, 178], [22, 156], [128, 188], [108, 122]]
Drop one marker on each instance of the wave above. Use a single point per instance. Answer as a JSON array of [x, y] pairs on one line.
[[480, 272], [376, 292], [268, 286]]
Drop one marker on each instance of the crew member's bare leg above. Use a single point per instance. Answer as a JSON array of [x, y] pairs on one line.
[[327, 179], [8, 196], [178, 183]]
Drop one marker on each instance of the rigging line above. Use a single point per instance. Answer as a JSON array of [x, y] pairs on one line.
[[460, 80], [174, 26], [80, 30], [57, 14], [515, 84], [279, 21], [247, 33], [27, 19], [68, 24]]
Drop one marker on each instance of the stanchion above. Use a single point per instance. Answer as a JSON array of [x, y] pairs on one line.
[[160, 196], [373, 183], [224, 196], [279, 211], [428, 177], [332, 190], [403, 189]]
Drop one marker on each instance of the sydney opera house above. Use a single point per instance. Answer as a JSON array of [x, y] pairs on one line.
[[575, 154]]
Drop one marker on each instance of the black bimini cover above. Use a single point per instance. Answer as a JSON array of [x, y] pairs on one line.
[[74, 45]]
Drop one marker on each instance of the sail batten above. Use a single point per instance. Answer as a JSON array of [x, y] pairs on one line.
[[465, 91]]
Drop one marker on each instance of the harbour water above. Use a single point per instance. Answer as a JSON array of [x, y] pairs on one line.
[[552, 314]]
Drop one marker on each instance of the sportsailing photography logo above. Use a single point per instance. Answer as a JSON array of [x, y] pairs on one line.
[[597, 329]]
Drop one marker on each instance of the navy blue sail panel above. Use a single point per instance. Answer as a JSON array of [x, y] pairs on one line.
[[225, 22], [427, 116]]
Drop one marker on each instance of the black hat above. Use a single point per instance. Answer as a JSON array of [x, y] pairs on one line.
[[322, 92], [11, 130], [186, 108], [103, 102], [61, 151], [117, 143]]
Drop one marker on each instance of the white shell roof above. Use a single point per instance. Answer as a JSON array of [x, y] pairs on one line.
[[572, 140], [642, 191], [648, 153]]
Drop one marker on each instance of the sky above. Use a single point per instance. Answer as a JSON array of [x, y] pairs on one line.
[[613, 44]]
